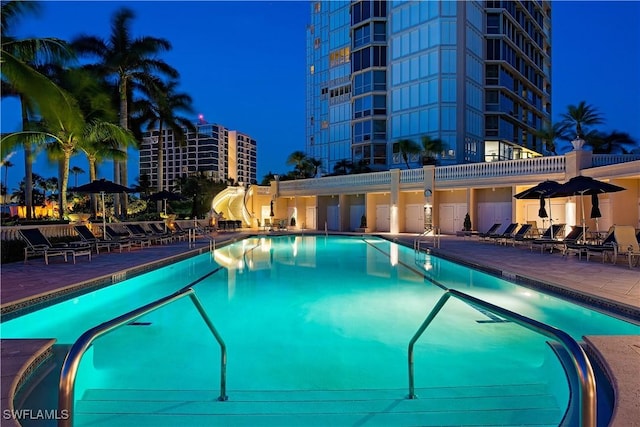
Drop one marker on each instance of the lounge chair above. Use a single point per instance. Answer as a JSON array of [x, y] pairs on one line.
[[549, 238], [506, 234], [627, 243], [120, 236], [493, 229], [38, 244], [158, 231], [606, 248], [87, 236], [574, 239], [522, 235], [137, 232], [178, 232]]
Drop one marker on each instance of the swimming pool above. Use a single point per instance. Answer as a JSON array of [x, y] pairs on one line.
[[310, 319]]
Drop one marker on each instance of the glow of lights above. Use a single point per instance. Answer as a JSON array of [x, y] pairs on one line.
[[393, 256]]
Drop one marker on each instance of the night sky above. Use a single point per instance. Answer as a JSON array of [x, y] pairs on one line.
[[243, 63]]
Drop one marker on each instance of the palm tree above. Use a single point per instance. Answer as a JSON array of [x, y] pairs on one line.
[[36, 92], [548, 135], [431, 147], [76, 170], [297, 160], [130, 63], [315, 165], [7, 164], [581, 115], [603, 143], [158, 111], [342, 167], [406, 147]]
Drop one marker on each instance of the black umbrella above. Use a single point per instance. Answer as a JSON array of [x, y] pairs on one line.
[[540, 191], [271, 214], [595, 210], [585, 185], [102, 186], [163, 196]]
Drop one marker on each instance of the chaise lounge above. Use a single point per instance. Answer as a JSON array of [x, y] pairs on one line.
[[38, 244]]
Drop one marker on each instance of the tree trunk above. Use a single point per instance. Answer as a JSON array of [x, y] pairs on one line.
[[28, 163], [65, 182], [92, 177]]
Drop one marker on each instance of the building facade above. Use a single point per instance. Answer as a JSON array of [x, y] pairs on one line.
[[213, 150], [475, 75]]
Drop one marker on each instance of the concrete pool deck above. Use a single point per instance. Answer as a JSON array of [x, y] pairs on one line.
[[606, 285]]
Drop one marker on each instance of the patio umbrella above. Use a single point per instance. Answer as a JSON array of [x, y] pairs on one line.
[[540, 191], [271, 214], [165, 195], [584, 186], [102, 186]]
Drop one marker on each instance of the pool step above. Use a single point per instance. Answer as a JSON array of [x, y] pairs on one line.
[[528, 405]]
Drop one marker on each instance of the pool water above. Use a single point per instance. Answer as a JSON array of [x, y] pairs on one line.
[[315, 313]]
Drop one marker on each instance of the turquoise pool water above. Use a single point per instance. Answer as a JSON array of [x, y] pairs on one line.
[[315, 313]]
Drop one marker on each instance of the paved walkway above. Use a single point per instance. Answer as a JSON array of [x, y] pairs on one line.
[[616, 286]]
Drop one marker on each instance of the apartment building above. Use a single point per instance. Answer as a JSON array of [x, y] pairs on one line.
[[215, 151], [476, 75]]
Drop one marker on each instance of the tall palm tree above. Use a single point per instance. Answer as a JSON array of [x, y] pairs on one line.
[[431, 147], [76, 170], [7, 164], [581, 116], [405, 148], [130, 63], [65, 137], [158, 111], [548, 135], [36, 92]]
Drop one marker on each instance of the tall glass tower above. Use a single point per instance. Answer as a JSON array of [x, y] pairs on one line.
[[475, 75]]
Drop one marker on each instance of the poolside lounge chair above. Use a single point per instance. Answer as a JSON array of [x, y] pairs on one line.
[[178, 232], [522, 235], [87, 236], [627, 244], [38, 244], [573, 239], [138, 232], [119, 236], [158, 231], [607, 248], [493, 229], [507, 233], [549, 238]]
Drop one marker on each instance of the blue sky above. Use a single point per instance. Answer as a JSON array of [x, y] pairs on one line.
[[243, 63]]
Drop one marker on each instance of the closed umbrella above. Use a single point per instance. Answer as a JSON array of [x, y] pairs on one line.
[[595, 210], [540, 191], [584, 186], [102, 187]]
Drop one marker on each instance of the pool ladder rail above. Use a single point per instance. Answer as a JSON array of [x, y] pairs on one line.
[[430, 237], [71, 363], [584, 370]]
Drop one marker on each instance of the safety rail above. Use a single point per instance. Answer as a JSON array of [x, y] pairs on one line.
[[586, 378], [422, 242], [71, 363]]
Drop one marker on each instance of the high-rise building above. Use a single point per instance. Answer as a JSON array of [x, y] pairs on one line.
[[215, 151], [475, 75]]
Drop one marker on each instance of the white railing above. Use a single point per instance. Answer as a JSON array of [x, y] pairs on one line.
[[533, 166], [356, 180], [412, 175], [612, 159]]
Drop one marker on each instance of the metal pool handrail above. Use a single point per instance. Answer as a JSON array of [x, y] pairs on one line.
[[587, 389], [72, 361]]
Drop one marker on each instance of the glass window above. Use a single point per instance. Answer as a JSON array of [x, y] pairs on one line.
[[379, 80], [379, 129], [380, 104], [379, 31], [361, 36], [379, 56], [493, 23], [379, 8]]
